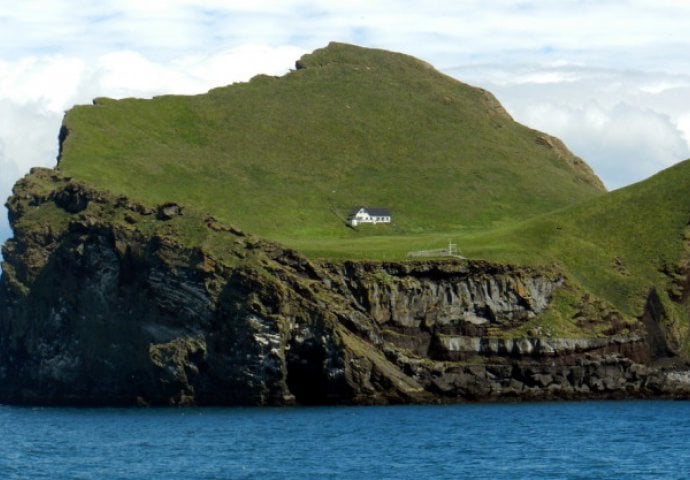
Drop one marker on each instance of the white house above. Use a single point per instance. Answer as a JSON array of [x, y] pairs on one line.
[[369, 215]]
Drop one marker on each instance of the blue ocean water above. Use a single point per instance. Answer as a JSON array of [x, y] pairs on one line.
[[588, 440]]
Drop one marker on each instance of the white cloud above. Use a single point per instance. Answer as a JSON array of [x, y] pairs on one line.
[[684, 126], [50, 79], [626, 124], [623, 143], [239, 64], [27, 134], [612, 32]]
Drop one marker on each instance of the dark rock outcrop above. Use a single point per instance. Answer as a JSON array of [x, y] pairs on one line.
[[104, 305]]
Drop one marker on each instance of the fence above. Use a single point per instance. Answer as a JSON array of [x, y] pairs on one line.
[[450, 251]]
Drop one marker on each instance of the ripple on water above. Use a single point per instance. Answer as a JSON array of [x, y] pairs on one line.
[[587, 440]]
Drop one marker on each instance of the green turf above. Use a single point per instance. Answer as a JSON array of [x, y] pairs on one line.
[[288, 158], [616, 245]]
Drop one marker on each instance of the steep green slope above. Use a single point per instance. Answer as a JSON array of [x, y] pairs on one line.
[[288, 157], [619, 246]]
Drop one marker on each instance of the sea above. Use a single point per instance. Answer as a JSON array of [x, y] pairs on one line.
[[582, 440]]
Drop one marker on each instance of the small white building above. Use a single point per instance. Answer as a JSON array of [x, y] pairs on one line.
[[369, 215]]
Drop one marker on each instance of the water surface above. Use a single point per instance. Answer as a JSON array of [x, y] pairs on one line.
[[588, 440]]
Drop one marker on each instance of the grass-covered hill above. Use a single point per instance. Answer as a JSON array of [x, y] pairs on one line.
[[288, 158], [619, 246]]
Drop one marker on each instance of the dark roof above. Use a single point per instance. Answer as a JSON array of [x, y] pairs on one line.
[[379, 212], [374, 212]]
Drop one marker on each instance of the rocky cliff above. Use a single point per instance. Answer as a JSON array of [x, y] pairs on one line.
[[104, 301]]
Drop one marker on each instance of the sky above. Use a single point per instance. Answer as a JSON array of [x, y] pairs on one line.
[[609, 77]]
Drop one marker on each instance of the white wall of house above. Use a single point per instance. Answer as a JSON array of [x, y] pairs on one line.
[[362, 216]]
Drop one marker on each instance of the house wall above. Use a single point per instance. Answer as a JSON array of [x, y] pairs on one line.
[[366, 218]]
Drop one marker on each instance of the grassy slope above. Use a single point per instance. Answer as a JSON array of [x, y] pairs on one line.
[[287, 158], [616, 246]]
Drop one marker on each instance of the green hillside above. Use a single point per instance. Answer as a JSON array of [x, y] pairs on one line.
[[287, 158], [618, 246]]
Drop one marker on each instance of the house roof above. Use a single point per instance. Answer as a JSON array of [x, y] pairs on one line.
[[374, 212], [379, 212]]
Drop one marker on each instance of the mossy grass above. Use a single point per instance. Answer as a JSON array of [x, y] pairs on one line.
[[288, 158]]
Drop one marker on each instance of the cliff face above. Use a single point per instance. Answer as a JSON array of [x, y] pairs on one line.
[[104, 301]]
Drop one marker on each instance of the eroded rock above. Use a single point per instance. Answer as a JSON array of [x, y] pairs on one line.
[[100, 311]]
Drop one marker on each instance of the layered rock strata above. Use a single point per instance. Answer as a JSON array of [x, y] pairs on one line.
[[103, 302]]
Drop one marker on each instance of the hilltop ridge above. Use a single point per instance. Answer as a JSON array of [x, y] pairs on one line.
[[351, 126]]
